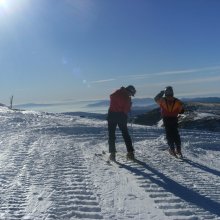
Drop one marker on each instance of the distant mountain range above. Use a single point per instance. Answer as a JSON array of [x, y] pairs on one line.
[[202, 100], [34, 105], [137, 102], [201, 113], [198, 115], [140, 102], [143, 105]]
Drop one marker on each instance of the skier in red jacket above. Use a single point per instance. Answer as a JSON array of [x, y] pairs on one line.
[[120, 105]]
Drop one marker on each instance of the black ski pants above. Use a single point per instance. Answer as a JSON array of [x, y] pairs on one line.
[[172, 133], [118, 119]]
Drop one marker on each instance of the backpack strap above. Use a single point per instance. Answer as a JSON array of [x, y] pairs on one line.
[[174, 101]]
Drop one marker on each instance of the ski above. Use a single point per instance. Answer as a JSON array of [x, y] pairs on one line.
[[177, 157], [103, 157]]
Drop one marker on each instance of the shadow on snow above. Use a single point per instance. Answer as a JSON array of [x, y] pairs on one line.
[[202, 167], [175, 188]]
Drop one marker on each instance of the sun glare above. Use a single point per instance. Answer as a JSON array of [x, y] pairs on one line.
[[12, 7], [4, 4]]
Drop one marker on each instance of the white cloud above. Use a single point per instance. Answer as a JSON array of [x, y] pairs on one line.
[[182, 82], [174, 72], [102, 81], [166, 73], [201, 80]]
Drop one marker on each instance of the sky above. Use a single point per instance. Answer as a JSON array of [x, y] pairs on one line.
[[61, 50]]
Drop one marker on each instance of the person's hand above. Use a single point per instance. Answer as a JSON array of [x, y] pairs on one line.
[[162, 92]]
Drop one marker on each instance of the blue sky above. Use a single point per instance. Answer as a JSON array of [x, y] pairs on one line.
[[59, 50]]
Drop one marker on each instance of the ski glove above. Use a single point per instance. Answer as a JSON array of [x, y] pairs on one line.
[[159, 95]]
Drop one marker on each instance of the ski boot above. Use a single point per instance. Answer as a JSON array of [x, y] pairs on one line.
[[179, 153], [130, 156], [172, 152], [112, 156]]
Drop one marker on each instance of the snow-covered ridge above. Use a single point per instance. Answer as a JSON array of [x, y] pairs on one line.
[[200, 116], [53, 167]]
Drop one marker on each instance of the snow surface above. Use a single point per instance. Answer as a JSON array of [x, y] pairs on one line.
[[53, 166], [204, 115]]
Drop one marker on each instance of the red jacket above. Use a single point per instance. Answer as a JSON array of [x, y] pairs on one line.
[[120, 101]]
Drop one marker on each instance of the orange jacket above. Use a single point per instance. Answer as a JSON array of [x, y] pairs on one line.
[[170, 108], [120, 101]]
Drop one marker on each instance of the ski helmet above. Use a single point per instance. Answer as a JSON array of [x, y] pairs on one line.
[[131, 89], [168, 91]]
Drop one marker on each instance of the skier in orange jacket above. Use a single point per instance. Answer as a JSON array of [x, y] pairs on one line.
[[120, 105], [170, 107]]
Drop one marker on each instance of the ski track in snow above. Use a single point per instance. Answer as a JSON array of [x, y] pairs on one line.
[[43, 173], [49, 171]]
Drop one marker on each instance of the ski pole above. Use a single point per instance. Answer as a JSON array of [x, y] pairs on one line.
[[131, 125]]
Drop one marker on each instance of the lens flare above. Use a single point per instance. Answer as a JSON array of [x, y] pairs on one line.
[[12, 6], [4, 5]]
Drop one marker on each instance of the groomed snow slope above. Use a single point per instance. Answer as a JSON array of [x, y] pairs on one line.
[[52, 167]]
